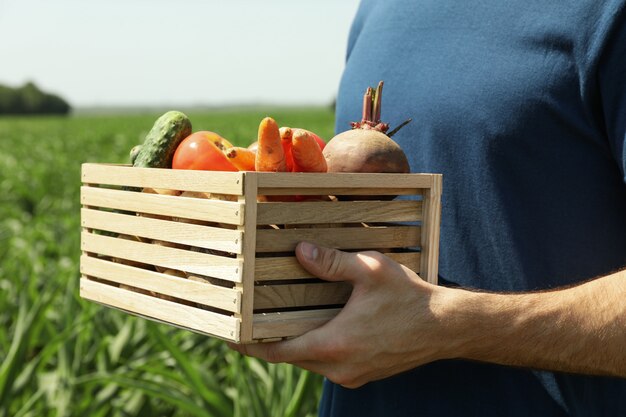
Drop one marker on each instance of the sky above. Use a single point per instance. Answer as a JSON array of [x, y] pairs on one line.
[[186, 52]]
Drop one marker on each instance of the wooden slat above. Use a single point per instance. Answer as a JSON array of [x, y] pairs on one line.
[[409, 259], [341, 180], [125, 175], [339, 212], [288, 267], [207, 237], [248, 255], [286, 324], [283, 240], [203, 321], [279, 268], [195, 262], [430, 235], [198, 292], [301, 295], [175, 206], [340, 191]]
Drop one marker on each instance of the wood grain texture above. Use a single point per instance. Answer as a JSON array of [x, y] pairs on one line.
[[336, 225], [341, 180], [339, 212], [198, 292], [301, 295], [279, 268], [221, 267], [288, 267], [183, 180], [329, 190], [248, 255], [292, 323], [430, 234], [207, 237], [165, 205], [284, 240], [207, 322]]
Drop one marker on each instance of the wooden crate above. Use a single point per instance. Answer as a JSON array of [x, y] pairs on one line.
[[225, 265]]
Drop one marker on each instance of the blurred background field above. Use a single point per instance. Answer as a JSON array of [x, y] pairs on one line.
[[62, 356]]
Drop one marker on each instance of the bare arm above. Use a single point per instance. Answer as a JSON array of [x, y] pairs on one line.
[[394, 321], [581, 329]]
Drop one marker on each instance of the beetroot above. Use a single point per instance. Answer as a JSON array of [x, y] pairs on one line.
[[367, 147]]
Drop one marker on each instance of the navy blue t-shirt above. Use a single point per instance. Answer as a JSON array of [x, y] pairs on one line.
[[521, 105]]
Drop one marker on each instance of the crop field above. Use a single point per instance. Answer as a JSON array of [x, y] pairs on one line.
[[63, 356]]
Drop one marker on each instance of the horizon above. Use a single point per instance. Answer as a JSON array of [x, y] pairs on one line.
[[129, 55]]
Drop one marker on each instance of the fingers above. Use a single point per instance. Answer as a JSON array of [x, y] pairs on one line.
[[336, 265], [287, 352], [293, 350], [335, 349], [336, 371]]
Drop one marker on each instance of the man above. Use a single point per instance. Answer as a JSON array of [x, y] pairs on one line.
[[522, 107]]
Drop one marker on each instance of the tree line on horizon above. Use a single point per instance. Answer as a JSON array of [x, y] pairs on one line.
[[30, 100]]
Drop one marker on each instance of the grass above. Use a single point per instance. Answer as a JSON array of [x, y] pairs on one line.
[[62, 356]]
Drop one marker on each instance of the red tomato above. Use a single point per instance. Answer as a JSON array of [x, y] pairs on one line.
[[203, 150]]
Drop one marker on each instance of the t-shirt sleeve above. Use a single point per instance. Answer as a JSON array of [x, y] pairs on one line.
[[612, 81]]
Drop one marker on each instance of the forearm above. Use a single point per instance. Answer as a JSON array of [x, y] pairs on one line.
[[395, 321], [581, 329]]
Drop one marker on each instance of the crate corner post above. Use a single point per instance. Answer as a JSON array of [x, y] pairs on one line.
[[248, 255], [430, 230]]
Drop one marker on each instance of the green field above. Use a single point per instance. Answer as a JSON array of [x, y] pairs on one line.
[[62, 356]]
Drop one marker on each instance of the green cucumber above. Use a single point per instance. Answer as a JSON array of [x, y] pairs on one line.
[[161, 142], [134, 152]]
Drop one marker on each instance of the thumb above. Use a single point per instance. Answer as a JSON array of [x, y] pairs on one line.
[[330, 264]]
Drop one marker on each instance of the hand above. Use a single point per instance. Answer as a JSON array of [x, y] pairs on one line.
[[394, 321], [390, 324]]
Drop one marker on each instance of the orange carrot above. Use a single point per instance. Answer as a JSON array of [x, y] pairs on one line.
[[242, 158], [307, 154], [270, 155], [286, 133]]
